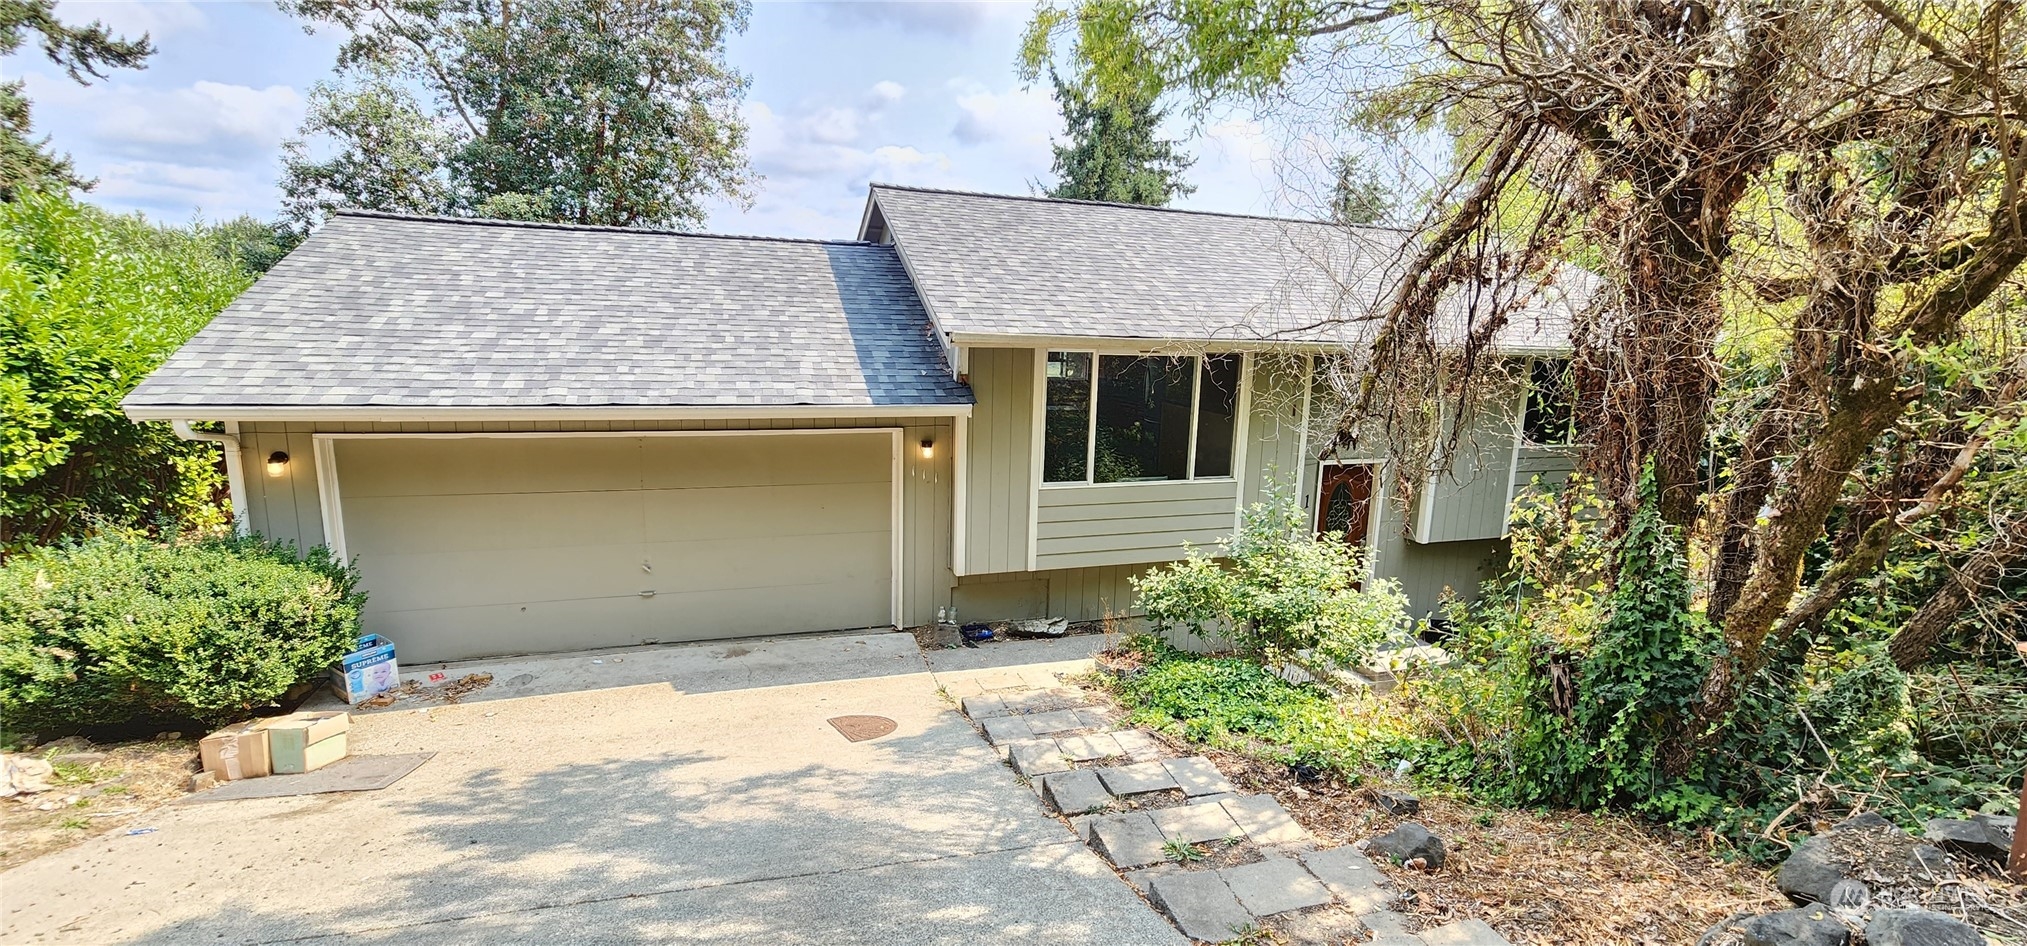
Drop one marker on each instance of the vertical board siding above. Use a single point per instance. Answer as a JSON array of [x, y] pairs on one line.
[[1077, 594], [1274, 458], [1469, 502], [288, 507], [1000, 464]]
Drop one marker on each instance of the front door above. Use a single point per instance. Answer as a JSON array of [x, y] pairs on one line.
[[1346, 505]]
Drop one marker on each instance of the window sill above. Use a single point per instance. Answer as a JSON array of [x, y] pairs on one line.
[[1129, 483]]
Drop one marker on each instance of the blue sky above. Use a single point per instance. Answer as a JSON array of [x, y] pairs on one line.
[[842, 93]]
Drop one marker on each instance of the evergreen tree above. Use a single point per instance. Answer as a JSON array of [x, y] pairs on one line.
[[83, 52], [1113, 153]]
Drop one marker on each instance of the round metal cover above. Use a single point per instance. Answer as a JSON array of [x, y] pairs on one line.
[[862, 728]]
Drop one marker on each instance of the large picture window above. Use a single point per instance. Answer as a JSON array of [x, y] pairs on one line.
[[1131, 418]]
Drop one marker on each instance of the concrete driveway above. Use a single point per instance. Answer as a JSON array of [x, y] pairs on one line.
[[715, 806]]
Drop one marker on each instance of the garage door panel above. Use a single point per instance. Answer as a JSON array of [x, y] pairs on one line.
[[704, 615], [772, 562], [403, 580], [495, 521], [463, 633], [424, 466], [787, 460], [482, 546], [693, 514]]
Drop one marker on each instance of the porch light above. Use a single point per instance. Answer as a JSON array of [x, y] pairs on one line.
[[277, 463], [928, 449]]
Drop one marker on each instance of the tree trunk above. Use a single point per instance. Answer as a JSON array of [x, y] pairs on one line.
[[1917, 638]]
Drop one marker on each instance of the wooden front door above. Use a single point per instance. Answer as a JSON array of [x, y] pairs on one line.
[[1346, 504]]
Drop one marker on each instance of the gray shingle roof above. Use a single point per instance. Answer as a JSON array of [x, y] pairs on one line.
[[1000, 265], [379, 310]]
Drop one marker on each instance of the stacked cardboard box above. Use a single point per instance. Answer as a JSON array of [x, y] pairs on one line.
[[306, 742], [369, 669], [280, 745]]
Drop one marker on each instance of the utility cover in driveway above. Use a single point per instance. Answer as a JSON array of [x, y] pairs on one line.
[[862, 728], [481, 546]]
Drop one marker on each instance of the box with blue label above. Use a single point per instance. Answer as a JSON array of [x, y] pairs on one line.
[[367, 670]]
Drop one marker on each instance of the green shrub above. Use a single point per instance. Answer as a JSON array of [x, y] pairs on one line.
[[120, 628], [1282, 590], [1235, 704]]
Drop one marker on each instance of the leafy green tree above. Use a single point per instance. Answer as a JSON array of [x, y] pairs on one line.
[[612, 112], [89, 303], [1357, 195], [1114, 153], [83, 52]]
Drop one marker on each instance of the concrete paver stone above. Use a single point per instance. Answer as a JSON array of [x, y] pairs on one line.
[[1004, 729], [1275, 885], [1129, 840], [1084, 748], [1098, 718], [1197, 776], [1144, 876], [1138, 746], [1212, 799], [1264, 820], [984, 706], [1464, 933], [1136, 778], [1390, 929], [1195, 824], [1054, 721], [1200, 904], [1351, 876], [1322, 928], [1074, 792], [1038, 758]]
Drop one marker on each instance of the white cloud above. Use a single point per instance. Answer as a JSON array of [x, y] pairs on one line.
[[201, 122], [943, 17], [157, 18], [885, 92], [1019, 116]]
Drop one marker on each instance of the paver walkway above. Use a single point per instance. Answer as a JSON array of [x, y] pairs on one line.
[[1217, 862]]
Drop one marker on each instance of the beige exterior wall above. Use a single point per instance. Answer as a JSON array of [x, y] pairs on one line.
[[999, 463]]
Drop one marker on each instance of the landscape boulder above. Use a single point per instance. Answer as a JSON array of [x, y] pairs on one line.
[[1409, 843], [1398, 803], [1865, 848], [1969, 838], [1919, 928], [1802, 926]]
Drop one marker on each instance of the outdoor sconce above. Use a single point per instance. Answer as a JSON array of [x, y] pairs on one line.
[[928, 449], [277, 463]]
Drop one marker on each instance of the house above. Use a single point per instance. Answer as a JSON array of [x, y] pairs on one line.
[[537, 437]]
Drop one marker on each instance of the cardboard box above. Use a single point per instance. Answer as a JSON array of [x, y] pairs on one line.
[[295, 742], [235, 752], [369, 669], [320, 754]]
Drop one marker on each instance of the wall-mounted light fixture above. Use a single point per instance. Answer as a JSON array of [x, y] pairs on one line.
[[928, 449], [277, 463]]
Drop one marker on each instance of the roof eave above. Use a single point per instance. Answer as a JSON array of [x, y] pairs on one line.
[[385, 413]]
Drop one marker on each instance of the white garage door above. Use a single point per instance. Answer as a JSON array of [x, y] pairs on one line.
[[485, 546]]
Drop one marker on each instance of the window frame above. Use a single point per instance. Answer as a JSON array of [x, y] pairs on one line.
[[1196, 363], [1527, 401]]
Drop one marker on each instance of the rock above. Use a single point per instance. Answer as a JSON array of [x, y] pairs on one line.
[[79, 758], [1398, 803], [1802, 926], [1919, 928], [1969, 838], [1849, 896], [1046, 627], [1865, 848], [203, 782], [1410, 842], [168, 736]]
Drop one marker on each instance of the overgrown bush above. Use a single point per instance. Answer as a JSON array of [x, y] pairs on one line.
[[122, 628], [1281, 590], [89, 303]]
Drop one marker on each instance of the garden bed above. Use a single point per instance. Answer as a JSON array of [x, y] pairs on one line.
[[91, 798]]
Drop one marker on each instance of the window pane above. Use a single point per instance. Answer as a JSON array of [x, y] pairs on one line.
[[1217, 414], [1143, 418], [1549, 419], [1067, 423]]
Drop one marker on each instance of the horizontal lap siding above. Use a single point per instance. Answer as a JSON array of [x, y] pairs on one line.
[[1130, 523], [1076, 594]]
